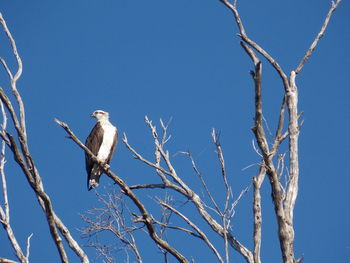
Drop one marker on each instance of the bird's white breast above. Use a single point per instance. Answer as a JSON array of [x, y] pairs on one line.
[[108, 139]]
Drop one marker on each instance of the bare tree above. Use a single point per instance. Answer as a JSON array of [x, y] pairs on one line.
[[123, 213]]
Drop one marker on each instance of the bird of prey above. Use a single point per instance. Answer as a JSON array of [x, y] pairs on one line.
[[102, 142]]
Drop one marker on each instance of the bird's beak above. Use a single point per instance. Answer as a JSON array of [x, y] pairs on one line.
[[92, 116]]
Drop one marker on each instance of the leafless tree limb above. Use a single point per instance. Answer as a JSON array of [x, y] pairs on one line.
[[246, 39], [318, 37], [293, 128], [149, 186], [279, 136], [167, 226], [5, 215], [197, 229], [103, 250], [217, 209], [257, 181], [16, 76], [5, 260], [110, 218], [231, 211], [28, 246], [24, 159], [225, 220]]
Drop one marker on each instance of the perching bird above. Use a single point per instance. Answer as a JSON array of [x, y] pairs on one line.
[[102, 142]]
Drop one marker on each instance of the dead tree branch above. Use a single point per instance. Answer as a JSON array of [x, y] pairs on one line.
[[5, 213], [318, 37], [5, 260], [110, 218], [257, 181], [196, 228], [16, 76], [246, 39], [24, 159], [194, 166]]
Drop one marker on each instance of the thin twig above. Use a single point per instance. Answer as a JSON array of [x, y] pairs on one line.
[[224, 217], [28, 246], [318, 37], [195, 227], [203, 182], [16, 76]]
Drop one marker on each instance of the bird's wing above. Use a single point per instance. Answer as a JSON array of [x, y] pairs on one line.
[[93, 143]]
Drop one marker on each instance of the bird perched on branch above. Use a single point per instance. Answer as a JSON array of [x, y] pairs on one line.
[[102, 142]]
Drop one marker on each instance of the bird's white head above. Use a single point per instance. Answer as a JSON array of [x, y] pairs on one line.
[[100, 115]]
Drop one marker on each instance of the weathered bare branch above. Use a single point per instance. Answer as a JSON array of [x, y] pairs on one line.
[[16, 76], [254, 45], [42, 197], [293, 128], [224, 217], [149, 186], [318, 37], [5, 215], [11, 236], [215, 135], [2, 163], [279, 136], [28, 246], [5, 260], [257, 181], [110, 218], [139, 157], [196, 228], [167, 226], [24, 159], [231, 212], [258, 128], [194, 166]]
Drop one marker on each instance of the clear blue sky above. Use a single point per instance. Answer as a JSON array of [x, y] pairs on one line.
[[180, 59]]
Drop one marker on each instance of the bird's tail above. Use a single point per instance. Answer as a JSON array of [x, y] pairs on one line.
[[94, 177]]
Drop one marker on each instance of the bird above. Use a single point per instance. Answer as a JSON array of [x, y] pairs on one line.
[[102, 142]]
